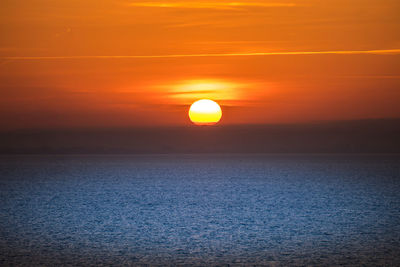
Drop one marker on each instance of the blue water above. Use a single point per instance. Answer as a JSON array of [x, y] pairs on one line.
[[275, 210]]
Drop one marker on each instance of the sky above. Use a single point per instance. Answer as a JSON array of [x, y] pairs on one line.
[[120, 63]]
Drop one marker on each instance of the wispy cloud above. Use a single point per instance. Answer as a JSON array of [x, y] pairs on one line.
[[186, 90], [209, 5], [336, 52]]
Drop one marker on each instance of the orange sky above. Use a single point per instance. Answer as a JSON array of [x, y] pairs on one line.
[[128, 63]]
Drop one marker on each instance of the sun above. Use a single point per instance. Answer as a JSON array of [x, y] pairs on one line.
[[205, 112]]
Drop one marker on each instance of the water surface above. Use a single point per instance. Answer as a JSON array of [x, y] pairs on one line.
[[200, 210]]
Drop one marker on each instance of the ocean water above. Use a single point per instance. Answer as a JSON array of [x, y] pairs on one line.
[[237, 210]]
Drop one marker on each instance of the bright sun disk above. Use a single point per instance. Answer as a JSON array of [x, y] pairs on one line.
[[205, 112]]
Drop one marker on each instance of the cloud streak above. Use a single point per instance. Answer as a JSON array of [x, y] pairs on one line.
[[209, 5], [335, 52]]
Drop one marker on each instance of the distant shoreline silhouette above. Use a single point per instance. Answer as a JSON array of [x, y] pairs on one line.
[[361, 136]]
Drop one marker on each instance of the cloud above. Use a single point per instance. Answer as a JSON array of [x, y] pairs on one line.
[[209, 5], [335, 52], [187, 90]]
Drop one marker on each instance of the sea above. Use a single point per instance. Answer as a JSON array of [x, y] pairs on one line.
[[200, 210]]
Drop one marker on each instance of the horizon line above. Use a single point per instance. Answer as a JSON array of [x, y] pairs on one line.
[[185, 125]]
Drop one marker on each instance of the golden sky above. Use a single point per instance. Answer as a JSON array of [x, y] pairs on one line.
[[84, 63]]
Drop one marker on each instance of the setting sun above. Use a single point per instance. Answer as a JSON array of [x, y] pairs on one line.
[[205, 112]]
